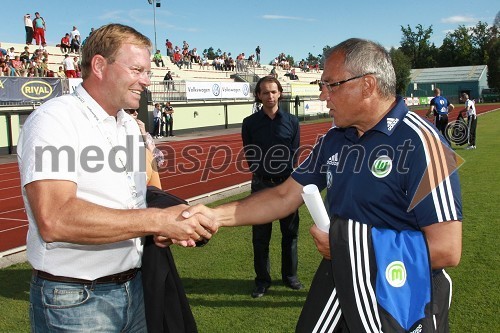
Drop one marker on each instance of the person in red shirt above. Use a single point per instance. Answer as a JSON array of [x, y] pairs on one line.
[[65, 44]]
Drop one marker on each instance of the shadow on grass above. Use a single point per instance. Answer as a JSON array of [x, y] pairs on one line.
[[206, 292], [15, 283]]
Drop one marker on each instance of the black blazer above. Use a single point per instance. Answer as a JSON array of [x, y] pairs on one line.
[[166, 304]]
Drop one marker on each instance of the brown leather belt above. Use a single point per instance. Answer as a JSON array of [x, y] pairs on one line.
[[114, 278]]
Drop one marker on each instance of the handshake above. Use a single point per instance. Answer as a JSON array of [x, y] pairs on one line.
[[192, 226]]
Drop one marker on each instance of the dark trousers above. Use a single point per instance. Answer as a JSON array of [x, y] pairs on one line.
[[472, 123], [441, 123], [29, 34], [170, 125], [261, 236], [156, 128]]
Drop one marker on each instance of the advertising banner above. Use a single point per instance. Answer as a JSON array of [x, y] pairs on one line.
[[29, 89], [315, 107], [217, 90], [301, 89]]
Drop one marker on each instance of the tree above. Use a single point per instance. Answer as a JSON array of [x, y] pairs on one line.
[[481, 36], [402, 67], [210, 53], [457, 48], [494, 64], [312, 60], [417, 47]]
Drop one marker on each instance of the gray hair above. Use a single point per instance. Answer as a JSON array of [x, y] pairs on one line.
[[364, 56]]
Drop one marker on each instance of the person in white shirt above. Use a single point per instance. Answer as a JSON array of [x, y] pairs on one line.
[[470, 109], [84, 187], [74, 33], [28, 26], [69, 66]]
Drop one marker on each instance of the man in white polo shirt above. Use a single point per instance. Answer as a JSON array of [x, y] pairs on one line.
[[84, 186]]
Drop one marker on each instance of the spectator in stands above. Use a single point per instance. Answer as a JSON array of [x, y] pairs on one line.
[[60, 73], [187, 61], [194, 56], [204, 62], [75, 33], [158, 59], [69, 67], [273, 72], [2, 50], [18, 66], [37, 63], [2, 64], [75, 44], [39, 28], [292, 75], [11, 53], [257, 54], [44, 68], [170, 49], [25, 57], [65, 44], [43, 53], [28, 27], [251, 61], [85, 40], [178, 59], [76, 64], [168, 81]]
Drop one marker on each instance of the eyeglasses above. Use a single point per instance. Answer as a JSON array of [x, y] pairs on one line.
[[136, 71], [330, 86]]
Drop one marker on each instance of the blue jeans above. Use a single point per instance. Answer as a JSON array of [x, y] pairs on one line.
[[71, 307]]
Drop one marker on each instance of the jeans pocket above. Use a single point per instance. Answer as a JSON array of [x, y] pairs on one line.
[[64, 296]]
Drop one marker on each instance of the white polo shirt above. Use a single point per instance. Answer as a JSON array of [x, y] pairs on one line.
[[67, 139], [470, 106]]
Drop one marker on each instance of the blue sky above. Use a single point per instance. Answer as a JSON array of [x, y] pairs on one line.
[[293, 27]]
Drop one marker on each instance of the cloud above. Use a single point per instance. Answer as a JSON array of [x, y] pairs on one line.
[[111, 16], [282, 17], [459, 19]]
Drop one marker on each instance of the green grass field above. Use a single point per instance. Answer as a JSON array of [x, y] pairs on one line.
[[219, 277]]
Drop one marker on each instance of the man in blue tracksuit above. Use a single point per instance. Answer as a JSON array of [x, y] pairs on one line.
[[440, 107], [393, 198]]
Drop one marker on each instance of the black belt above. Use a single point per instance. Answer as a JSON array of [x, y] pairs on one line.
[[269, 179], [114, 278]]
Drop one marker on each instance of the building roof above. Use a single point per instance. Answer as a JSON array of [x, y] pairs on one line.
[[448, 74]]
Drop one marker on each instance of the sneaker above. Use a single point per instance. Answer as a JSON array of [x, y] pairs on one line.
[[469, 147]]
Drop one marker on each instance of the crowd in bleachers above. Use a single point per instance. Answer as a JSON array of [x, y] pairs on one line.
[[186, 57], [36, 63]]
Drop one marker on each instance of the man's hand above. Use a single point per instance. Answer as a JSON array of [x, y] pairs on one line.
[[209, 213], [322, 241], [184, 230]]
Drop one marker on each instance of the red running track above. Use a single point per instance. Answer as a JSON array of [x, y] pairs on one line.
[[194, 167]]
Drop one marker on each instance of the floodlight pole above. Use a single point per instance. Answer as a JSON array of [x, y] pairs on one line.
[[154, 24]]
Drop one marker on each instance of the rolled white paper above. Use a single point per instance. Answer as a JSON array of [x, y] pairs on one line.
[[314, 203]]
